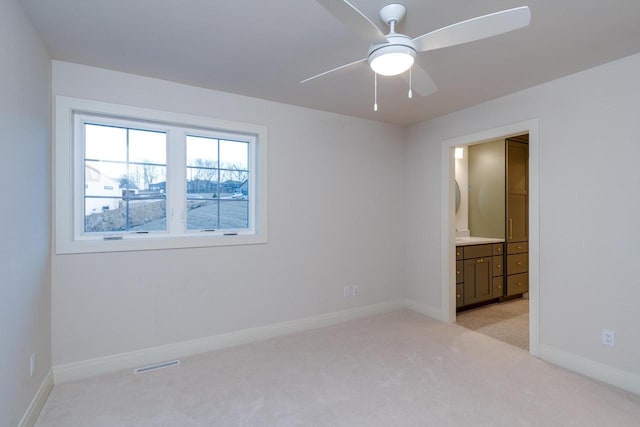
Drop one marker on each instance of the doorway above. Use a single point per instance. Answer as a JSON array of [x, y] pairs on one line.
[[492, 239], [448, 287]]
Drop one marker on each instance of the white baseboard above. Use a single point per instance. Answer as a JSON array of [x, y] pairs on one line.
[[427, 310], [33, 411], [102, 365], [608, 374], [88, 368]]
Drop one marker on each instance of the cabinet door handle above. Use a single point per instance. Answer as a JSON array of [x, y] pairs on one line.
[[458, 296], [499, 266], [510, 229], [519, 262], [499, 286]]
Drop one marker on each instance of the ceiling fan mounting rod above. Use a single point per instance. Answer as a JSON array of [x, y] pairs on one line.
[[393, 13]]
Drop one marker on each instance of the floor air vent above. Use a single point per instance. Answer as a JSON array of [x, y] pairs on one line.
[[162, 365]]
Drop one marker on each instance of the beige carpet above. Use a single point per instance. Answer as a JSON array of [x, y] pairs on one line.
[[397, 369], [506, 321]]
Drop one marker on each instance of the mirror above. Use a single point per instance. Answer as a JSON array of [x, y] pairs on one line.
[[457, 196]]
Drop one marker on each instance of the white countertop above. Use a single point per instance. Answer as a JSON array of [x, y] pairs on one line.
[[465, 241]]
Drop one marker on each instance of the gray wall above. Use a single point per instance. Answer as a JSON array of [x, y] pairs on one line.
[[588, 208], [336, 203], [25, 241]]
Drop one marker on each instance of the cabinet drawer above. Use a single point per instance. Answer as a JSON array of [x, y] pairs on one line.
[[459, 272], [517, 284], [498, 248], [477, 251], [518, 263], [517, 248], [498, 287], [459, 253], [459, 295], [498, 265]]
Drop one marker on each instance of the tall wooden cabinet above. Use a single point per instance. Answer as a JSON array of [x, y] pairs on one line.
[[517, 215]]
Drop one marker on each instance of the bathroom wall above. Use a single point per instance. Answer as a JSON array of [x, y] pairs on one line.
[[462, 178]]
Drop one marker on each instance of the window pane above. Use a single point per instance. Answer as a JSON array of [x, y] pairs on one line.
[[146, 215], [105, 143], [98, 205], [202, 214], [202, 183], [103, 214], [234, 214], [147, 180], [147, 146], [234, 184], [234, 155], [120, 195], [202, 152], [104, 179]]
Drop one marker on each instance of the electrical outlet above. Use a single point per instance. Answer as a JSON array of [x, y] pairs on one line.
[[346, 291], [356, 290], [608, 337], [32, 364]]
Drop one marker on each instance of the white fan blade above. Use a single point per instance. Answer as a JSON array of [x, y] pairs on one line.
[[421, 81], [335, 69], [355, 20], [475, 29]]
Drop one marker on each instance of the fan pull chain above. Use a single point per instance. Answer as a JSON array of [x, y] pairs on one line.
[[375, 91], [410, 84]]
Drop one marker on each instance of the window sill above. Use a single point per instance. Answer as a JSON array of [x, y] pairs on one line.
[[157, 242]]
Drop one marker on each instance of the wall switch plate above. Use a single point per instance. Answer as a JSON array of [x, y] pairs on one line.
[[346, 291], [608, 337], [356, 290], [32, 364]]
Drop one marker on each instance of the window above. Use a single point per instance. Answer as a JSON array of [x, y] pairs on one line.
[[135, 179], [124, 169], [217, 183]]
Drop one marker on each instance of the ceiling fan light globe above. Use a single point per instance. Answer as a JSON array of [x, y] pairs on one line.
[[393, 58], [391, 64]]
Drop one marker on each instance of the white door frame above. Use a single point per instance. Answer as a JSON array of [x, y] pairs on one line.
[[448, 303]]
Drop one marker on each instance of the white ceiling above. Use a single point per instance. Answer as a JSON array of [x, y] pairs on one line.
[[264, 48]]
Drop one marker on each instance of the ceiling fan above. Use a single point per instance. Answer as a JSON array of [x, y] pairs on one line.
[[394, 53]]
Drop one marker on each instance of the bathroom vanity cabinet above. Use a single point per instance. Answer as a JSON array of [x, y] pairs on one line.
[[479, 273]]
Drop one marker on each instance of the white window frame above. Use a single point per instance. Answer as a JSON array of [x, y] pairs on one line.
[[69, 181]]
